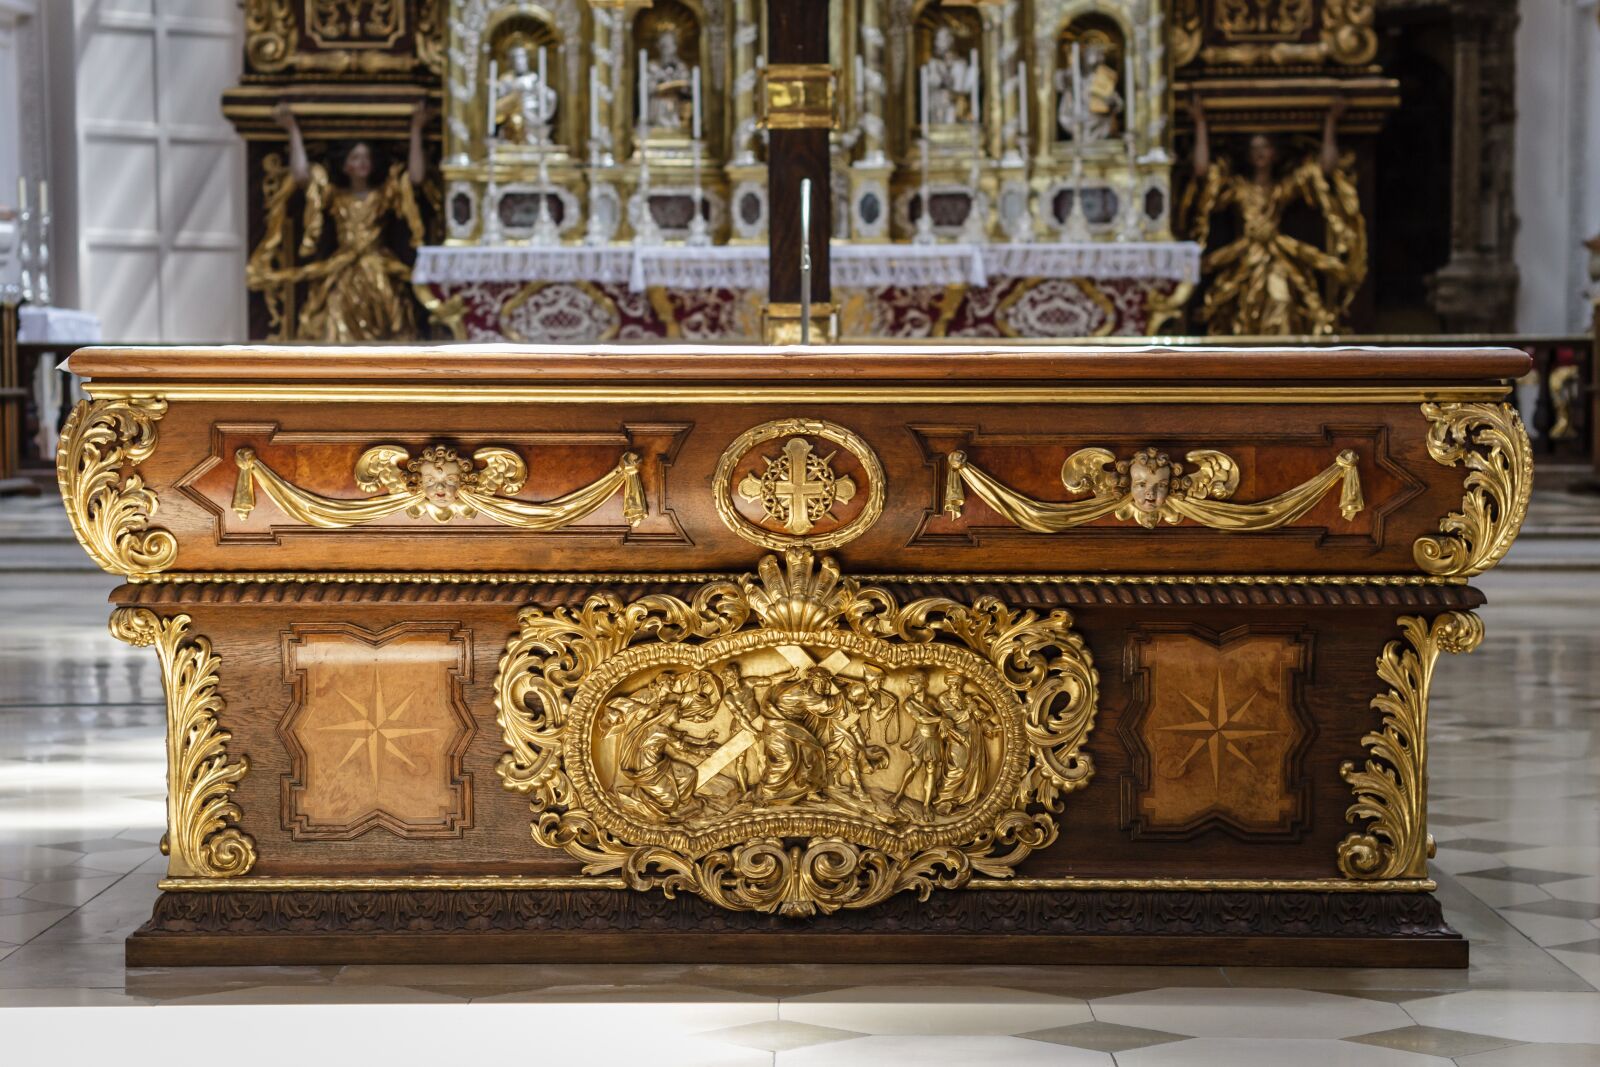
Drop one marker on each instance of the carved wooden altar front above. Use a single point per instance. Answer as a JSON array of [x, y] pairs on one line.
[[1110, 654]]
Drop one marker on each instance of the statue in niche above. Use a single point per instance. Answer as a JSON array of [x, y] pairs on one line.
[[669, 89], [950, 80], [1265, 281], [524, 107], [356, 293], [1101, 114]]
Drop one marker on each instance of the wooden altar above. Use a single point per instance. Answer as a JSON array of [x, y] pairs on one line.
[[980, 655]]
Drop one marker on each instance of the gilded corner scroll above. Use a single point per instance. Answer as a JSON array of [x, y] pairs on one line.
[[202, 838], [1490, 442], [794, 742], [1151, 488], [1391, 787], [440, 484], [110, 511]]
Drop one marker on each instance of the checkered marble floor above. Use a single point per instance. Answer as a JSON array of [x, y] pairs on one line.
[[1515, 806]]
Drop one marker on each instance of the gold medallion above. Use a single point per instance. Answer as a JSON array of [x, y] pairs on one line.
[[799, 482]]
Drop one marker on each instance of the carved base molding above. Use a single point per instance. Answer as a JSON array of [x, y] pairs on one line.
[[999, 926]]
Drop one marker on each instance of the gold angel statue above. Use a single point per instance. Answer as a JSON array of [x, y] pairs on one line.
[[355, 294], [1265, 281]]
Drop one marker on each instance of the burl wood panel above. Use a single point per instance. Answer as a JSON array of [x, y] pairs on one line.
[[567, 446], [376, 730]]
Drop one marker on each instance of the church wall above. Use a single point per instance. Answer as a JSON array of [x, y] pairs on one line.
[[153, 173], [1558, 152]]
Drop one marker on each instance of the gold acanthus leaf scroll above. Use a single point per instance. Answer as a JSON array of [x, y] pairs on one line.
[[794, 742], [1488, 439], [440, 484], [109, 511], [1151, 488], [201, 839], [1391, 787]]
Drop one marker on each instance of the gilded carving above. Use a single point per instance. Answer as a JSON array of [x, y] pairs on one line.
[[359, 23], [1270, 32], [1487, 439], [821, 487], [269, 31], [1391, 787], [792, 741], [202, 839], [110, 512], [442, 485], [1150, 488]]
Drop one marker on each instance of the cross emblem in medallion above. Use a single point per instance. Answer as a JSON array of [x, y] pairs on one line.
[[798, 487]]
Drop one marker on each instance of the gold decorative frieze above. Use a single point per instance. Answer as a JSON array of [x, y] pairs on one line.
[[202, 840], [1276, 32], [440, 484], [794, 742], [110, 511], [1391, 787], [796, 482], [1151, 488], [1489, 440]]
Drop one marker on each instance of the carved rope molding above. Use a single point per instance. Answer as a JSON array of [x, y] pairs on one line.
[[561, 681], [1391, 787], [110, 512], [1489, 440], [441, 485], [1149, 488], [201, 840]]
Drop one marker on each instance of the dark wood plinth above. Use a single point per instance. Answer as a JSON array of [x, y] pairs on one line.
[[976, 927]]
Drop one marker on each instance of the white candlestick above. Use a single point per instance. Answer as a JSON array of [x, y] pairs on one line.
[[694, 101], [972, 77], [44, 197], [1077, 94], [1022, 98], [594, 105], [22, 195], [861, 86], [922, 76], [492, 94], [644, 89], [1128, 95], [544, 82]]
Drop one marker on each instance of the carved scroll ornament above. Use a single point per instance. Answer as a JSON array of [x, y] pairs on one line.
[[440, 484], [110, 511], [794, 742], [1150, 488], [202, 840], [1392, 785], [1488, 439]]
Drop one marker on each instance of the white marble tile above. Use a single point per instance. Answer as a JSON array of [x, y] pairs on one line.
[[1273, 1052], [1584, 889], [935, 1010], [942, 1051], [1523, 1016], [1585, 965], [73, 892], [22, 928], [1535, 1056], [1255, 1012]]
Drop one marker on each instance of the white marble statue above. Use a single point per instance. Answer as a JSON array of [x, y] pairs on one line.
[[669, 83], [1102, 111], [950, 78], [524, 105]]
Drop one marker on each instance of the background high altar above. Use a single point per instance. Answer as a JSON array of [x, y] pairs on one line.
[[1471, 125]]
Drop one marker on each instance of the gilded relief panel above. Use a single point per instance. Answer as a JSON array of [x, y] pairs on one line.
[[1217, 731], [377, 731]]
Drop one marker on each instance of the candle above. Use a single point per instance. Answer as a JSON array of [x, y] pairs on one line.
[[594, 103], [44, 197], [1128, 94], [544, 117], [22, 195], [922, 76], [805, 211], [694, 100], [1022, 97], [972, 79], [644, 89], [494, 88], [861, 85], [1077, 94]]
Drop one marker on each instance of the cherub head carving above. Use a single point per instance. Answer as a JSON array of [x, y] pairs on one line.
[[438, 474], [1148, 479]]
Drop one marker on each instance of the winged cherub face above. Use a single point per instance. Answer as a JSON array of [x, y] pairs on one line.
[[1149, 481], [440, 480]]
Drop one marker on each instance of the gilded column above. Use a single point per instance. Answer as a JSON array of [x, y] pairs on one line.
[[604, 53], [873, 84], [746, 33], [1007, 87], [993, 102]]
